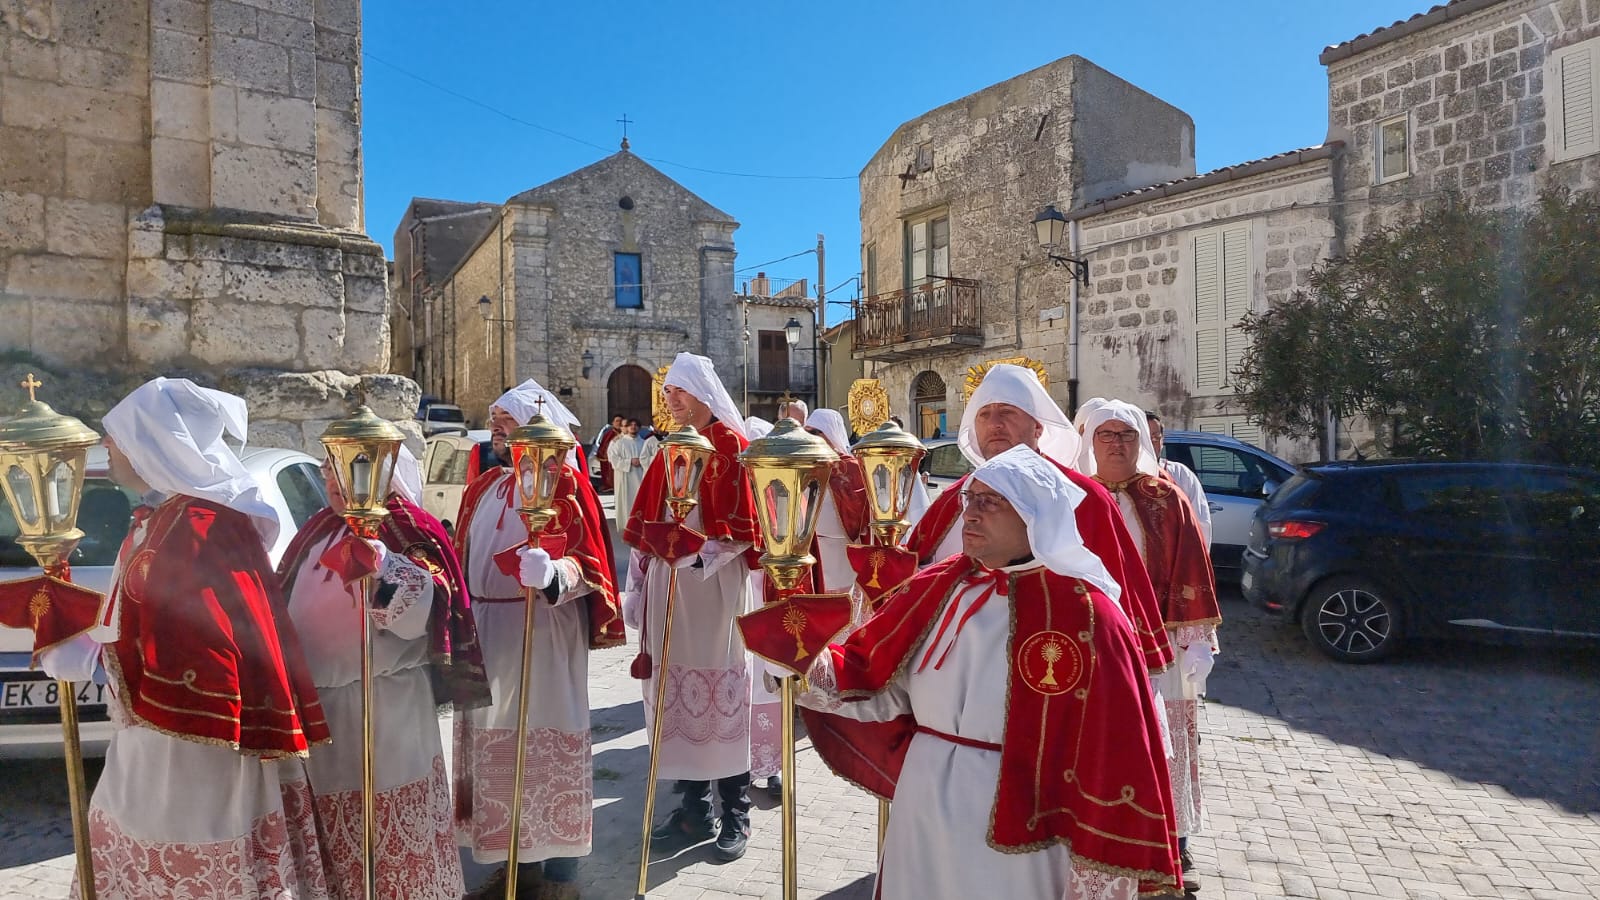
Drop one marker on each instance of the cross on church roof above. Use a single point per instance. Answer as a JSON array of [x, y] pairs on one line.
[[625, 122], [32, 384]]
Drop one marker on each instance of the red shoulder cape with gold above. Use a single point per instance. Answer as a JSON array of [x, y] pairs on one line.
[[727, 508], [847, 482], [1175, 552], [1104, 533], [204, 650], [578, 527], [455, 657], [1081, 759]]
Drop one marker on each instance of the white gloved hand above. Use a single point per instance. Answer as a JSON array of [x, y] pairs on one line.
[[1197, 664], [536, 569], [74, 660], [714, 555], [381, 551], [636, 563], [633, 609]]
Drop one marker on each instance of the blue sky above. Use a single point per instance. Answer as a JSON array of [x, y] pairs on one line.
[[803, 91]]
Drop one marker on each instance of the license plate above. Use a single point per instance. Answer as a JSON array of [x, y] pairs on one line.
[[44, 694], [1244, 583]]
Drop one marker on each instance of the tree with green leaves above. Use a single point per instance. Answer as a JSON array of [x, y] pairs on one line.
[[1476, 332]]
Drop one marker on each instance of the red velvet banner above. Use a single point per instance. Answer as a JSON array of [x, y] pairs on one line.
[[880, 570], [55, 610], [670, 541], [351, 558], [510, 565], [791, 630]]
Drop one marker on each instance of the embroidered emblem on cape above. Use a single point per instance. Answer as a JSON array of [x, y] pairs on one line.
[[138, 573], [1050, 663], [418, 553]]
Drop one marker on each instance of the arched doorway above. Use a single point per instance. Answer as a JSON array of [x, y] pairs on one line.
[[928, 406], [628, 394]]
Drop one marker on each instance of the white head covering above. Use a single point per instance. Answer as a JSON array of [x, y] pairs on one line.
[[696, 375], [800, 405], [1129, 415], [831, 424], [407, 478], [1045, 500], [522, 401], [171, 429], [756, 427], [1089, 406], [1020, 387]]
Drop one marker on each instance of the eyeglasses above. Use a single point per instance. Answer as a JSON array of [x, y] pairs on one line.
[[1116, 437], [985, 502]]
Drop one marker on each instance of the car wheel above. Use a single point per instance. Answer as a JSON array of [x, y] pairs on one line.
[[1352, 620]]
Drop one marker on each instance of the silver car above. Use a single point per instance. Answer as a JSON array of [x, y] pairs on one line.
[[30, 722], [1238, 478]]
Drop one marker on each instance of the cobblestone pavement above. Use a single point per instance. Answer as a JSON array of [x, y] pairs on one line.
[[1455, 771]]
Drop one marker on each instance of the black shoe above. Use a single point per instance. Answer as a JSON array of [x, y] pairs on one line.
[[681, 829], [775, 786], [733, 840], [1191, 884]]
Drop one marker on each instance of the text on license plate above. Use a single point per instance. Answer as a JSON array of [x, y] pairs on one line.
[[46, 693]]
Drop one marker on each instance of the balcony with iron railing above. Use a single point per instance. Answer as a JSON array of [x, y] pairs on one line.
[[940, 313]]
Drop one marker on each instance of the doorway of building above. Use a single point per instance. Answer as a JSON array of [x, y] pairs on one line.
[[928, 405], [628, 394]]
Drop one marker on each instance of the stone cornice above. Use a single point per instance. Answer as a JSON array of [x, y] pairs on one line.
[[255, 227], [1185, 195], [1441, 27]]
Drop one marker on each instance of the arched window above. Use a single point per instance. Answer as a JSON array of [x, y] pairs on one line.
[[928, 405]]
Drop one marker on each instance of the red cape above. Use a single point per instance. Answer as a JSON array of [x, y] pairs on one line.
[[1175, 552], [205, 651], [727, 508], [579, 526], [605, 462], [1104, 533], [455, 656], [1081, 759]]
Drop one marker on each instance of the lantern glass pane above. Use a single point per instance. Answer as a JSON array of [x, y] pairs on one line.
[[20, 485], [677, 474], [552, 476], [361, 482], [58, 497], [778, 512], [882, 486], [903, 490], [527, 481], [811, 500], [384, 482]]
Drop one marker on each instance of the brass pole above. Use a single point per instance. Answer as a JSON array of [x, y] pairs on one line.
[[522, 744], [883, 825], [77, 786], [369, 823], [655, 735], [791, 858]]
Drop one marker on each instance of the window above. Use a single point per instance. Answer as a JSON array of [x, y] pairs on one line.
[[1459, 498], [871, 270], [948, 462], [927, 249], [1574, 85], [303, 491], [1555, 504], [772, 360], [447, 462], [1391, 149], [629, 279], [1222, 295], [928, 404]]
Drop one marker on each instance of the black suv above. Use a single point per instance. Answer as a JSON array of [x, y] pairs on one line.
[[1363, 555]]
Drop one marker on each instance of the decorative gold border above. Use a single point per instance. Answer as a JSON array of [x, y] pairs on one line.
[[975, 373]]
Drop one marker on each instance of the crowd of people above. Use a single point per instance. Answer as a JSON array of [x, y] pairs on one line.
[[1033, 686]]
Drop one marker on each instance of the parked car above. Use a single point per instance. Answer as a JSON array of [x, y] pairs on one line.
[[1366, 555], [442, 418], [29, 720], [1238, 478], [444, 473], [943, 465]]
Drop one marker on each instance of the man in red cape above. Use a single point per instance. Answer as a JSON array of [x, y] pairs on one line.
[[204, 794], [1001, 699], [1011, 407], [705, 728], [607, 474], [572, 576], [1121, 456]]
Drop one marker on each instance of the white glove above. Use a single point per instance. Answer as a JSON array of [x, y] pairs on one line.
[[714, 555], [536, 569], [74, 660], [633, 609], [636, 561], [1197, 664], [381, 551]]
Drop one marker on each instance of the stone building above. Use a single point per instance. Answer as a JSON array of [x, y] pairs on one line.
[[589, 283], [952, 274], [773, 368], [181, 191]]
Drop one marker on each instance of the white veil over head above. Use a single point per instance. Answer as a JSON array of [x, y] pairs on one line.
[[695, 374], [1088, 406], [831, 424], [407, 478], [171, 430], [1045, 500], [756, 427], [1129, 415], [1019, 387], [524, 400]]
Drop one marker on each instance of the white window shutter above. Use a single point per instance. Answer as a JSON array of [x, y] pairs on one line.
[[1209, 373], [1247, 431], [1235, 342], [1236, 273], [1207, 279], [1577, 113], [1214, 426]]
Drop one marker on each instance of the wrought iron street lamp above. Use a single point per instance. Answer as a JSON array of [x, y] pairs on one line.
[[1050, 226]]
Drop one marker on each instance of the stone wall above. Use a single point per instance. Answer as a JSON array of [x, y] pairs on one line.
[[1479, 100]]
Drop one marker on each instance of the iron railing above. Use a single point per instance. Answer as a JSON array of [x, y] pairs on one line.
[[941, 307]]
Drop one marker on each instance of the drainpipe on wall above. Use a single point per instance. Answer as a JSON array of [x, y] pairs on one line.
[[1073, 239]]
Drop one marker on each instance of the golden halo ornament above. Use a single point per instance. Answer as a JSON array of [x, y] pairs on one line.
[[975, 373], [663, 421], [869, 405]]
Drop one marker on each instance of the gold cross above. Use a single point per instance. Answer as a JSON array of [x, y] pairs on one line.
[[31, 383]]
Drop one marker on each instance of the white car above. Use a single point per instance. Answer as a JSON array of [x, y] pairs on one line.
[[444, 473], [943, 465], [30, 721], [1238, 478]]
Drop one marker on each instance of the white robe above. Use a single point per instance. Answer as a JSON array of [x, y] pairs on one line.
[[837, 576], [558, 780], [937, 843], [705, 733], [171, 817], [416, 847], [623, 451]]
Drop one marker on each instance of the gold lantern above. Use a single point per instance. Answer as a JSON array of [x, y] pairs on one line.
[[788, 471], [538, 454], [688, 453], [889, 458], [363, 448], [42, 460]]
